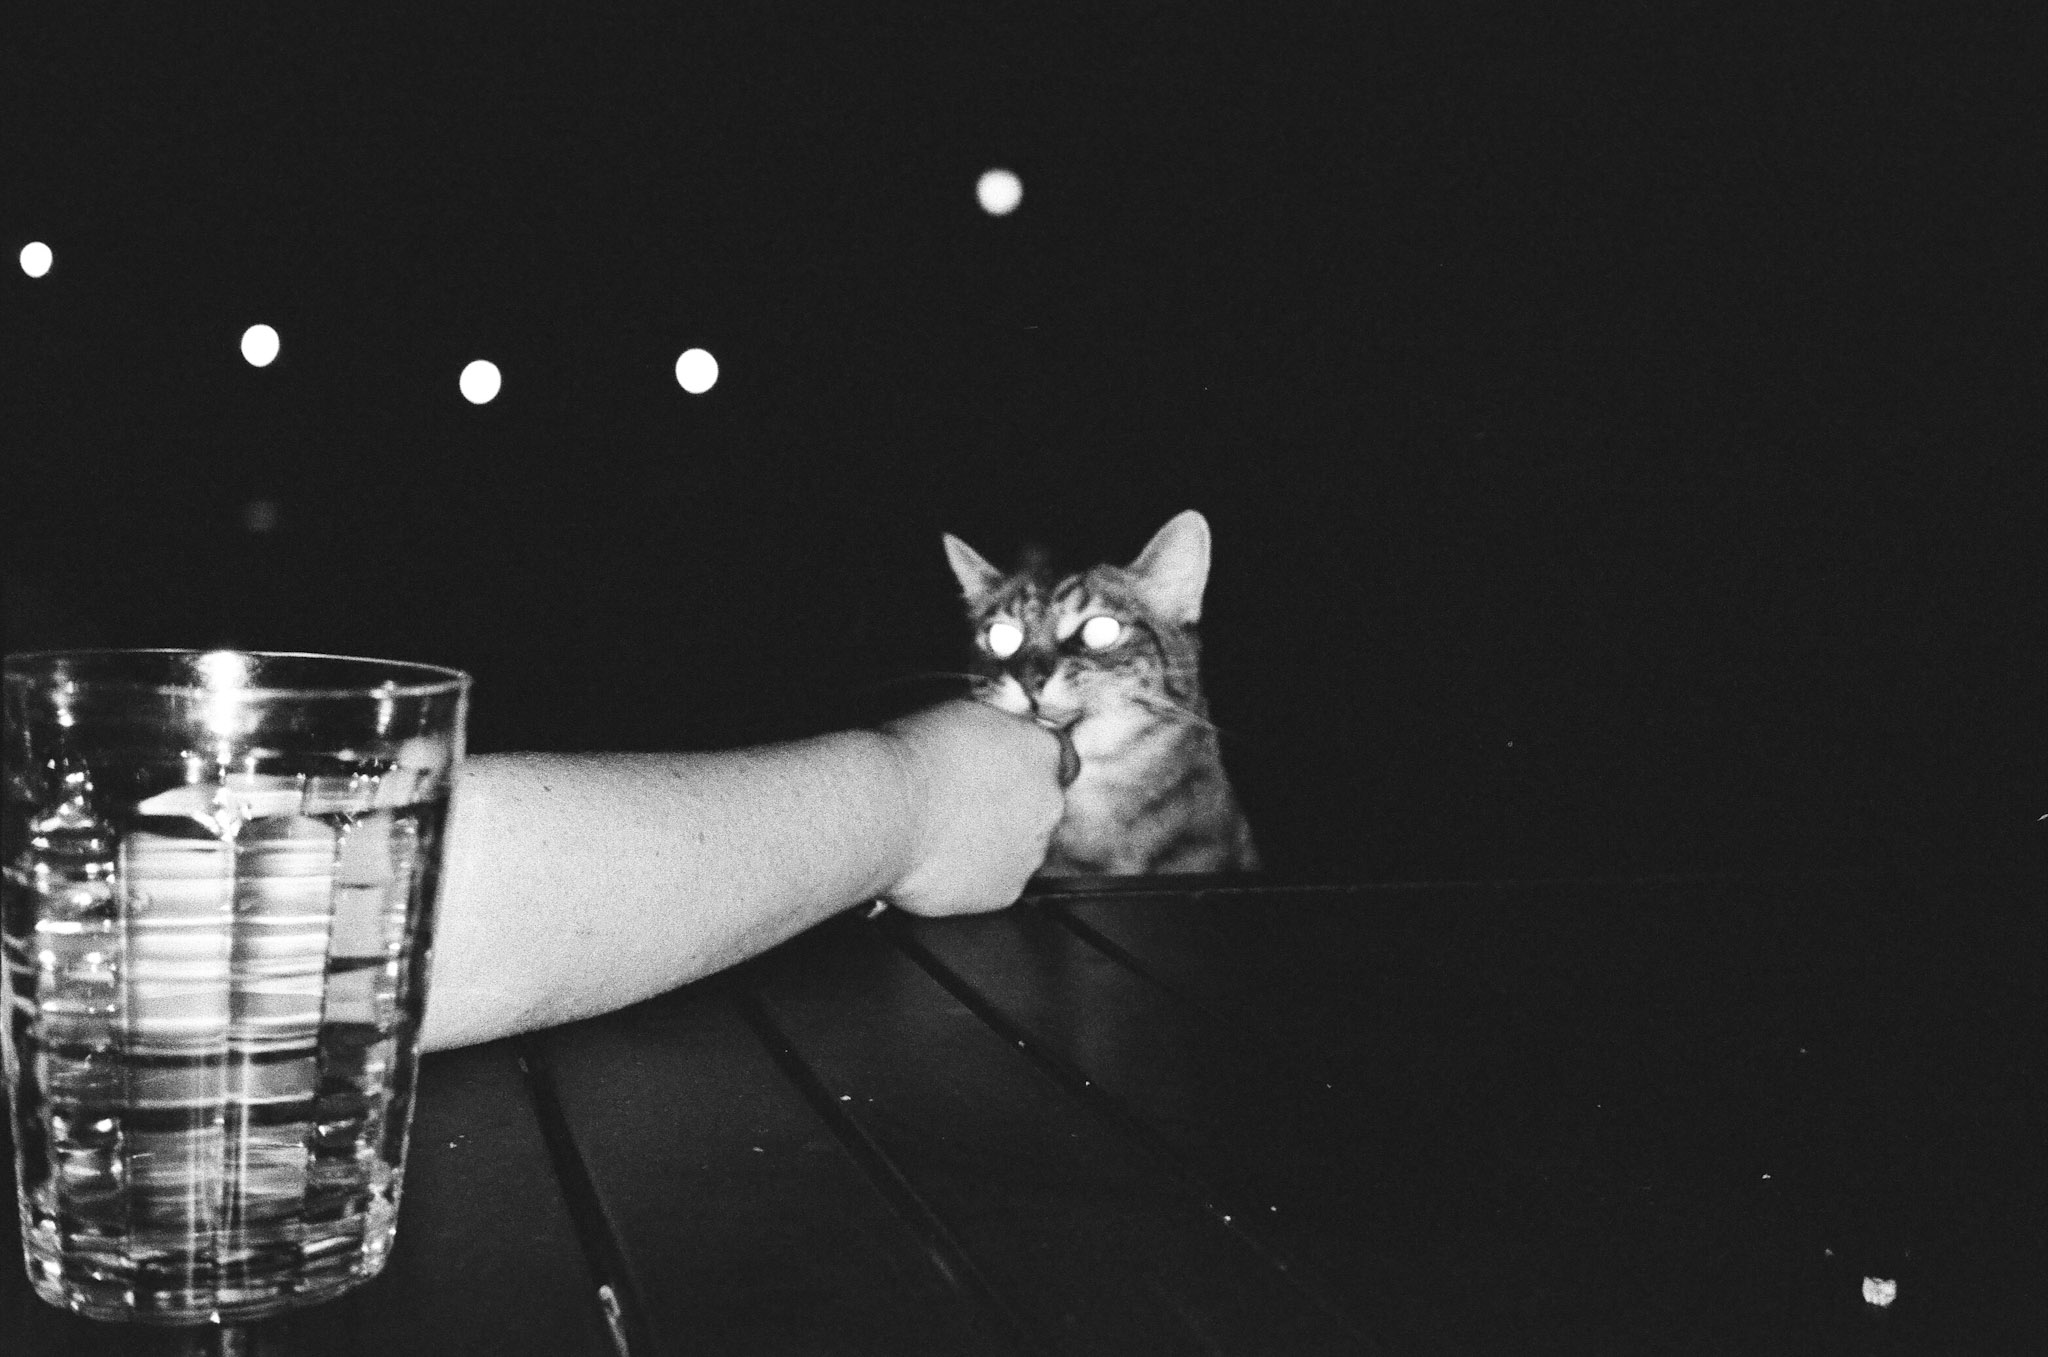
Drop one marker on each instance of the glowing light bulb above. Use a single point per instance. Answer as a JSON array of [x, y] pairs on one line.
[[480, 382], [259, 346], [36, 259], [696, 371], [999, 191]]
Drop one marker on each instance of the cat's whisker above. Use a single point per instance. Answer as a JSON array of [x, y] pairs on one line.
[[1166, 706], [972, 680]]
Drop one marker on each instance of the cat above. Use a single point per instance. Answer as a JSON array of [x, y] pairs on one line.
[[1110, 655]]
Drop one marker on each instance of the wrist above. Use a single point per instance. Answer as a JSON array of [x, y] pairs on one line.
[[908, 801]]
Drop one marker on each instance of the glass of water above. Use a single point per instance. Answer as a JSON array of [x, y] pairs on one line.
[[220, 878]]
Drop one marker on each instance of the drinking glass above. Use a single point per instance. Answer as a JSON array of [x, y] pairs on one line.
[[220, 873]]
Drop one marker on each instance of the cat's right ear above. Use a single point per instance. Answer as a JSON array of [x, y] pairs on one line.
[[978, 579]]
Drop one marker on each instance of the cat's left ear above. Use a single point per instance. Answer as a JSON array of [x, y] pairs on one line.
[[1173, 569]]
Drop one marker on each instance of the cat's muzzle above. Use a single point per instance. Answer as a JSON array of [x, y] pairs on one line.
[[1070, 758]]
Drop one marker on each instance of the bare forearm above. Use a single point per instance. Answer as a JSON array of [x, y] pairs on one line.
[[577, 883]]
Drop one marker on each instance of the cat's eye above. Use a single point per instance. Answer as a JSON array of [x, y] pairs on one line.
[[1003, 639], [1100, 633]]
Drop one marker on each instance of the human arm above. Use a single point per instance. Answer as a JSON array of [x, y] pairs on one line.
[[579, 883]]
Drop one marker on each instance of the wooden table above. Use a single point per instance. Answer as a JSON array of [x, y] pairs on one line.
[[1659, 1116]]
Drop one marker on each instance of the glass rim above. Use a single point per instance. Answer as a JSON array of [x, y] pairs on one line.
[[32, 667]]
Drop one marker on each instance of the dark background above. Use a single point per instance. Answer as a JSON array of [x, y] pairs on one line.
[[1619, 432]]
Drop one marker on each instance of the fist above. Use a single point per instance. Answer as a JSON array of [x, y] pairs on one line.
[[985, 795]]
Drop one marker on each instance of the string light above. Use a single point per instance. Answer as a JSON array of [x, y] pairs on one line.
[[998, 190], [480, 382], [259, 346], [696, 371]]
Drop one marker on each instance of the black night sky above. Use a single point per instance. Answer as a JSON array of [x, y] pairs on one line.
[[1619, 431]]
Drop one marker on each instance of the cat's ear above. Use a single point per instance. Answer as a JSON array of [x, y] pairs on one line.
[[1173, 569], [978, 579]]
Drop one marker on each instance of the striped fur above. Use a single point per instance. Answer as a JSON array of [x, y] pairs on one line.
[[1152, 796]]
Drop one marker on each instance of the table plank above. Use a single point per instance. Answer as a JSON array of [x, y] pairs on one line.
[[479, 1268], [1657, 1116], [1291, 1162], [741, 1222], [1096, 1244], [1628, 1113]]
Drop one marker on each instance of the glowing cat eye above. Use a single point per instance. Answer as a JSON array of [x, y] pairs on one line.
[[1099, 633], [1004, 638], [999, 191]]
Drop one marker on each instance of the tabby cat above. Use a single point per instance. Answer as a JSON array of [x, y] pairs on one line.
[[1110, 655]]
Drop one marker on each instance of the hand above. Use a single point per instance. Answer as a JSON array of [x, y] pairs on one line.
[[985, 797]]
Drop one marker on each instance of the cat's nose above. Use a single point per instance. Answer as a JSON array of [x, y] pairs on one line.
[[1032, 676]]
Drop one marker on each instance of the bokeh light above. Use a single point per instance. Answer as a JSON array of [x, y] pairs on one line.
[[36, 259], [1000, 191], [260, 516], [696, 371], [480, 382], [259, 346]]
